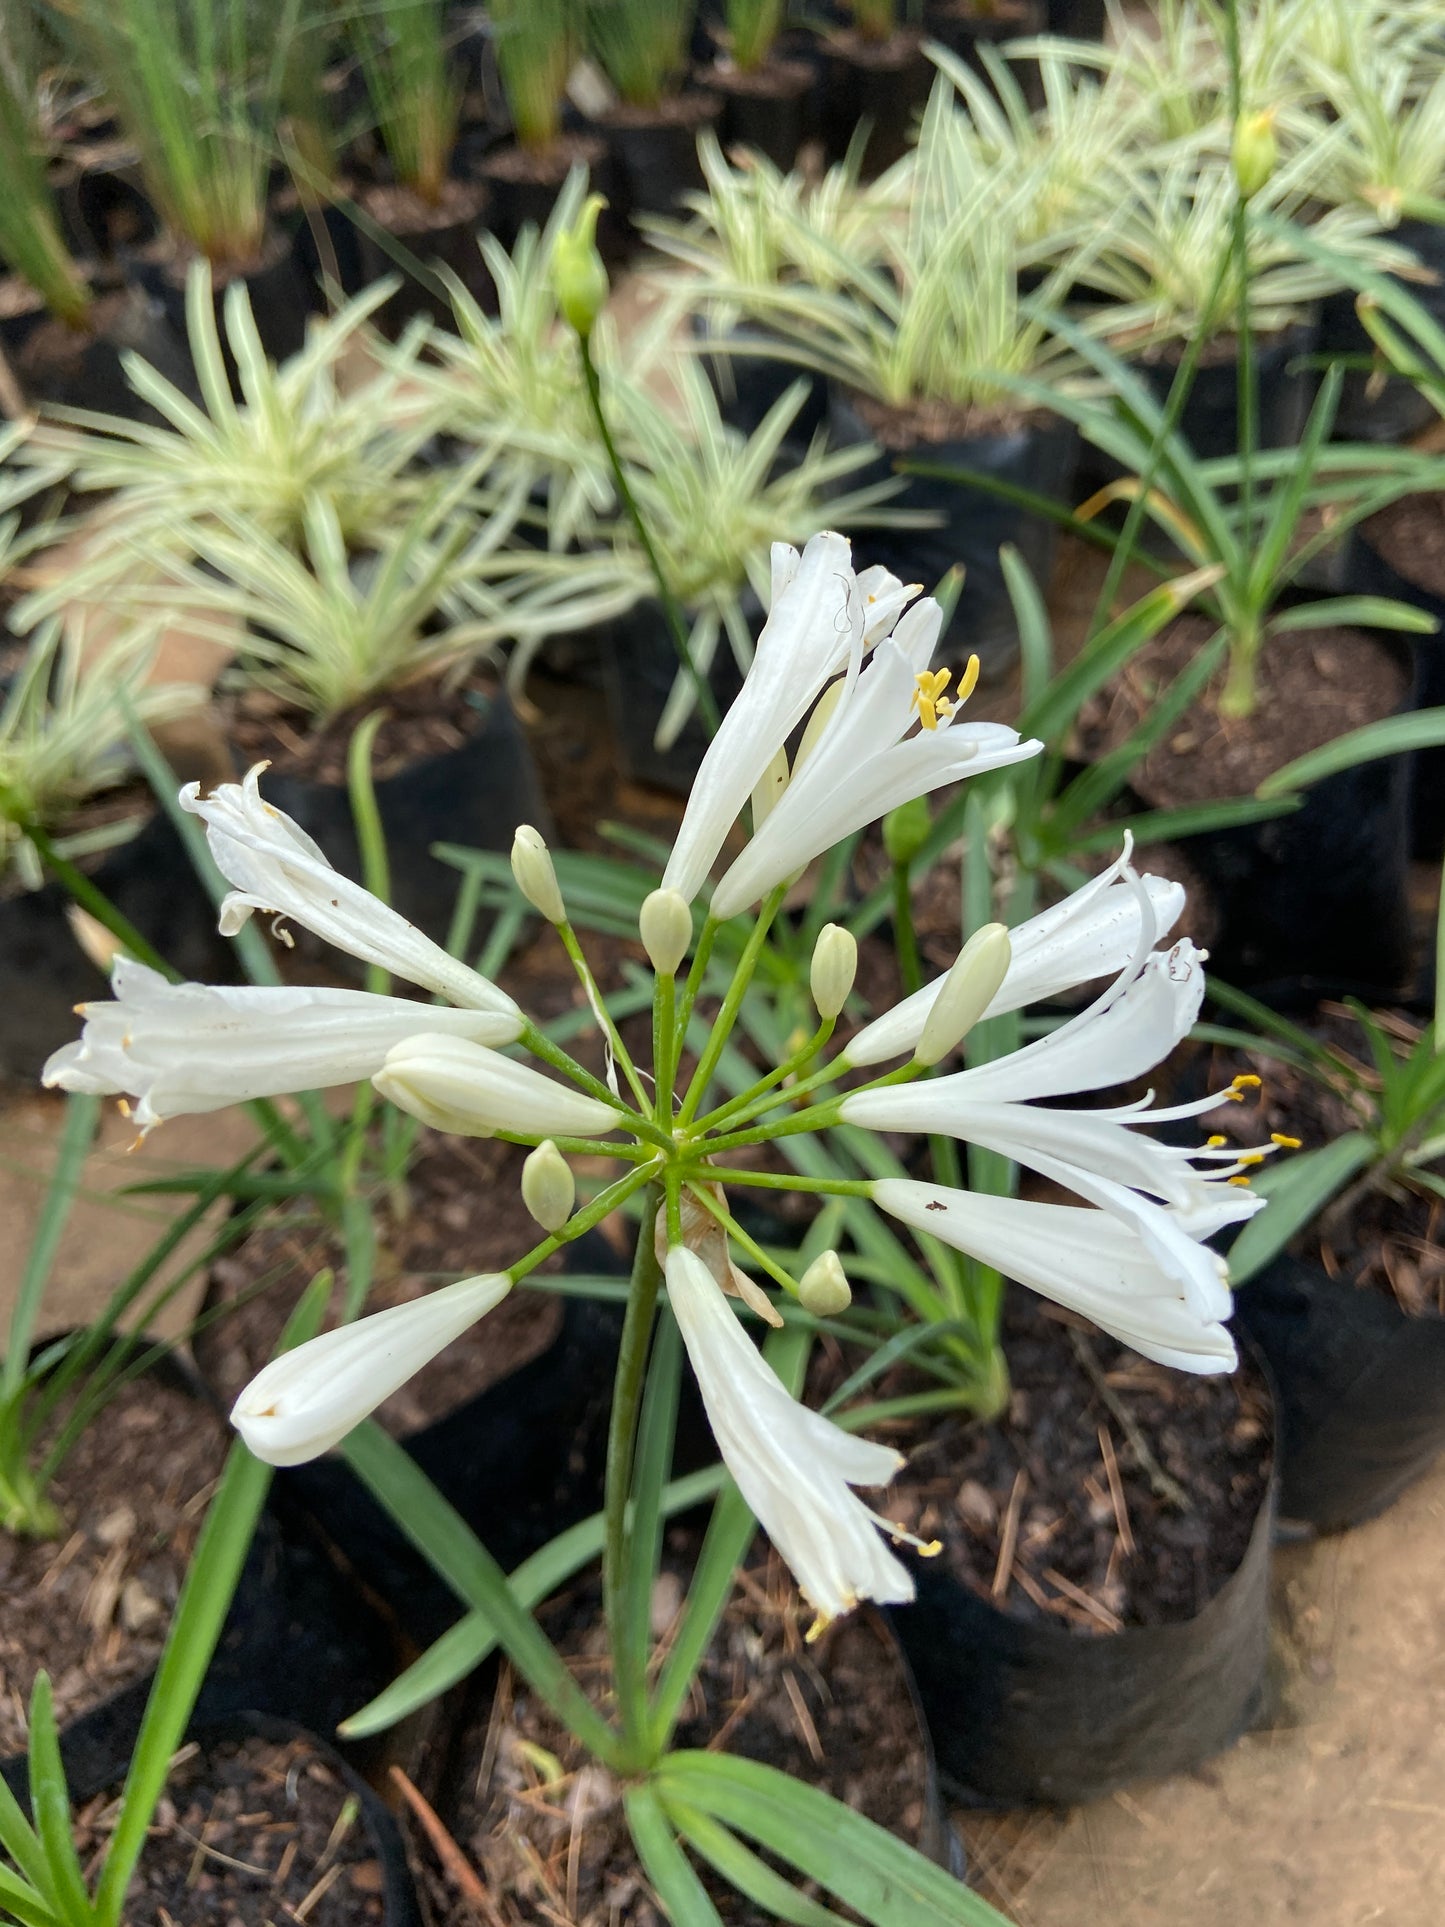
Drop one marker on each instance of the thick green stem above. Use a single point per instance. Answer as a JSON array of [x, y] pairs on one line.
[[592, 1214], [630, 1682], [784, 1181], [764, 1094]]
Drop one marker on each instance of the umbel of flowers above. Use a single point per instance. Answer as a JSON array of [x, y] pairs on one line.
[[845, 659]]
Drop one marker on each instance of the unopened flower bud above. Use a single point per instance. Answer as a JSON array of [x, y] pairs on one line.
[[536, 878], [1255, 153], [967, 991], [835, 965], [464, 1088], [823, 1288], [905, 830], [549, 1190], [665, 923], [579, 277]]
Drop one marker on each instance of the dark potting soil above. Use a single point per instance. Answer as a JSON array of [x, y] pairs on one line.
[[689, 109], [92, 1606], [547, 166], [1313, 685], [249, 1833], [1113, 1493], [1390, 1242], [837, 1714], [52, 348], [773, 80], [903, 426], [1410, 534], [403, 211], [424, 718], [464, 1214]]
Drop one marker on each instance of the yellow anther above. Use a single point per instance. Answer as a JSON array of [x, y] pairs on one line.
[[968, 682], [1246, 1081], [816, 1631], [122, 1106], [1215, 1143], [1239, 1180], [1285, 1143], [931, 1550], [928, 698], [1251, 1157]]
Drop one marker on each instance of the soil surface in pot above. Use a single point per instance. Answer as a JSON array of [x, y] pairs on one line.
[[1394, 1244], [424, 718], [1410, 534], [401, 210], [773, 80], [1113, 1493], [54, 351], [249, 1833], [542, 166], [899, 426], [1313, 685], [690, 109], [464, 1214], [92, 1605], [837, 1714]]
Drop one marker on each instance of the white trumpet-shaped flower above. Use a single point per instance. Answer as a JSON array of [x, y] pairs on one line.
[[471, 1091], [178, 1049], [1092, 933], [887, 738], [820, 612], [275, 867], [795, 1468], [307, 1400], [1165, 1295]]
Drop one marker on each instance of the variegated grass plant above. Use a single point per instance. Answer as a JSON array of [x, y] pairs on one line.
[[1379, 128], [415, 95], [536, 44]]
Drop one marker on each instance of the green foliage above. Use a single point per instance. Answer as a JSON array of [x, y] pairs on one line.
[[641, 45], [416, 98], [536, 43], [30, 239]]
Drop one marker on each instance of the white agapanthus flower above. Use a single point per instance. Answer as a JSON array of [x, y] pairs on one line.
[[180, 1049], [795, 1468], [471, 1091]]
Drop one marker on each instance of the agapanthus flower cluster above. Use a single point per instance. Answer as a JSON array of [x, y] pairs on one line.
[[842, 670]]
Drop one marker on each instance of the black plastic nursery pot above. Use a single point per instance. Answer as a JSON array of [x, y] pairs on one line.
[[856, 1695], [103, 205], [1035, 452], [654, 150], [288, 1825], [1367, 572], [474, 794], [640, 665], [83, 369], [1027, 1708], [765, 108], [440, 236], [1376, 406], [1079, 19], [523, 185], [1360, 1387], [885, 82], [1284, 389], [279, 297], [44, 973], [749, 379]]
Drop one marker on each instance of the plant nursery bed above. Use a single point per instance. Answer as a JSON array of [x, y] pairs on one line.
[[1313, 686], [1113, 1492], [464, 1214], [250, 1832], [91, 1606], [838, 1714], [424, 718]]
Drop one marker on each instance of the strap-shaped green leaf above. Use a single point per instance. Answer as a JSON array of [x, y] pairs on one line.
[[1391, 736], [50, 1803], [862, 1865], [745, 1870], [1297, 1190], [683, 1896], [20, 1900]]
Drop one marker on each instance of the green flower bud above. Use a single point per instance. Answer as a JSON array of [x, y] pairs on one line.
[[835, 965], [905, 830], [823, 1288], [1255, 153], [549, 1190], [579, 278], [966, 992], [536, 878], [665, 924]]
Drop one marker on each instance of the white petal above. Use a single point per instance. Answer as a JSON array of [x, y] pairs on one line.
[[1092, 933], [471, 1091], [307, 1400], [1090, 1261], [277, 868], [794, 1468], [181, 1049]]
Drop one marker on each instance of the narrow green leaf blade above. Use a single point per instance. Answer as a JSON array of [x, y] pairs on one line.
[[683, 1896], [1392, 736], [1297, 1190]]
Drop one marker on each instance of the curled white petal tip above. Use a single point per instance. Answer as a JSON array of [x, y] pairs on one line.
[[307, 1400], [182, 1049], [276, 868], [795, 1468], [472, 1091]]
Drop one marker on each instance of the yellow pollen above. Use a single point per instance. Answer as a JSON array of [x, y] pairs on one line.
[[816, 1631], [1285, 1143], [122, 1106], [1239, 1180], [931, 1550], [1246, 1081], [1215, 1143], [1251, 1157], [968, 682], [928, 698]]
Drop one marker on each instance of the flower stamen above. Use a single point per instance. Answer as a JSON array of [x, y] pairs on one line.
[[929, 699]]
